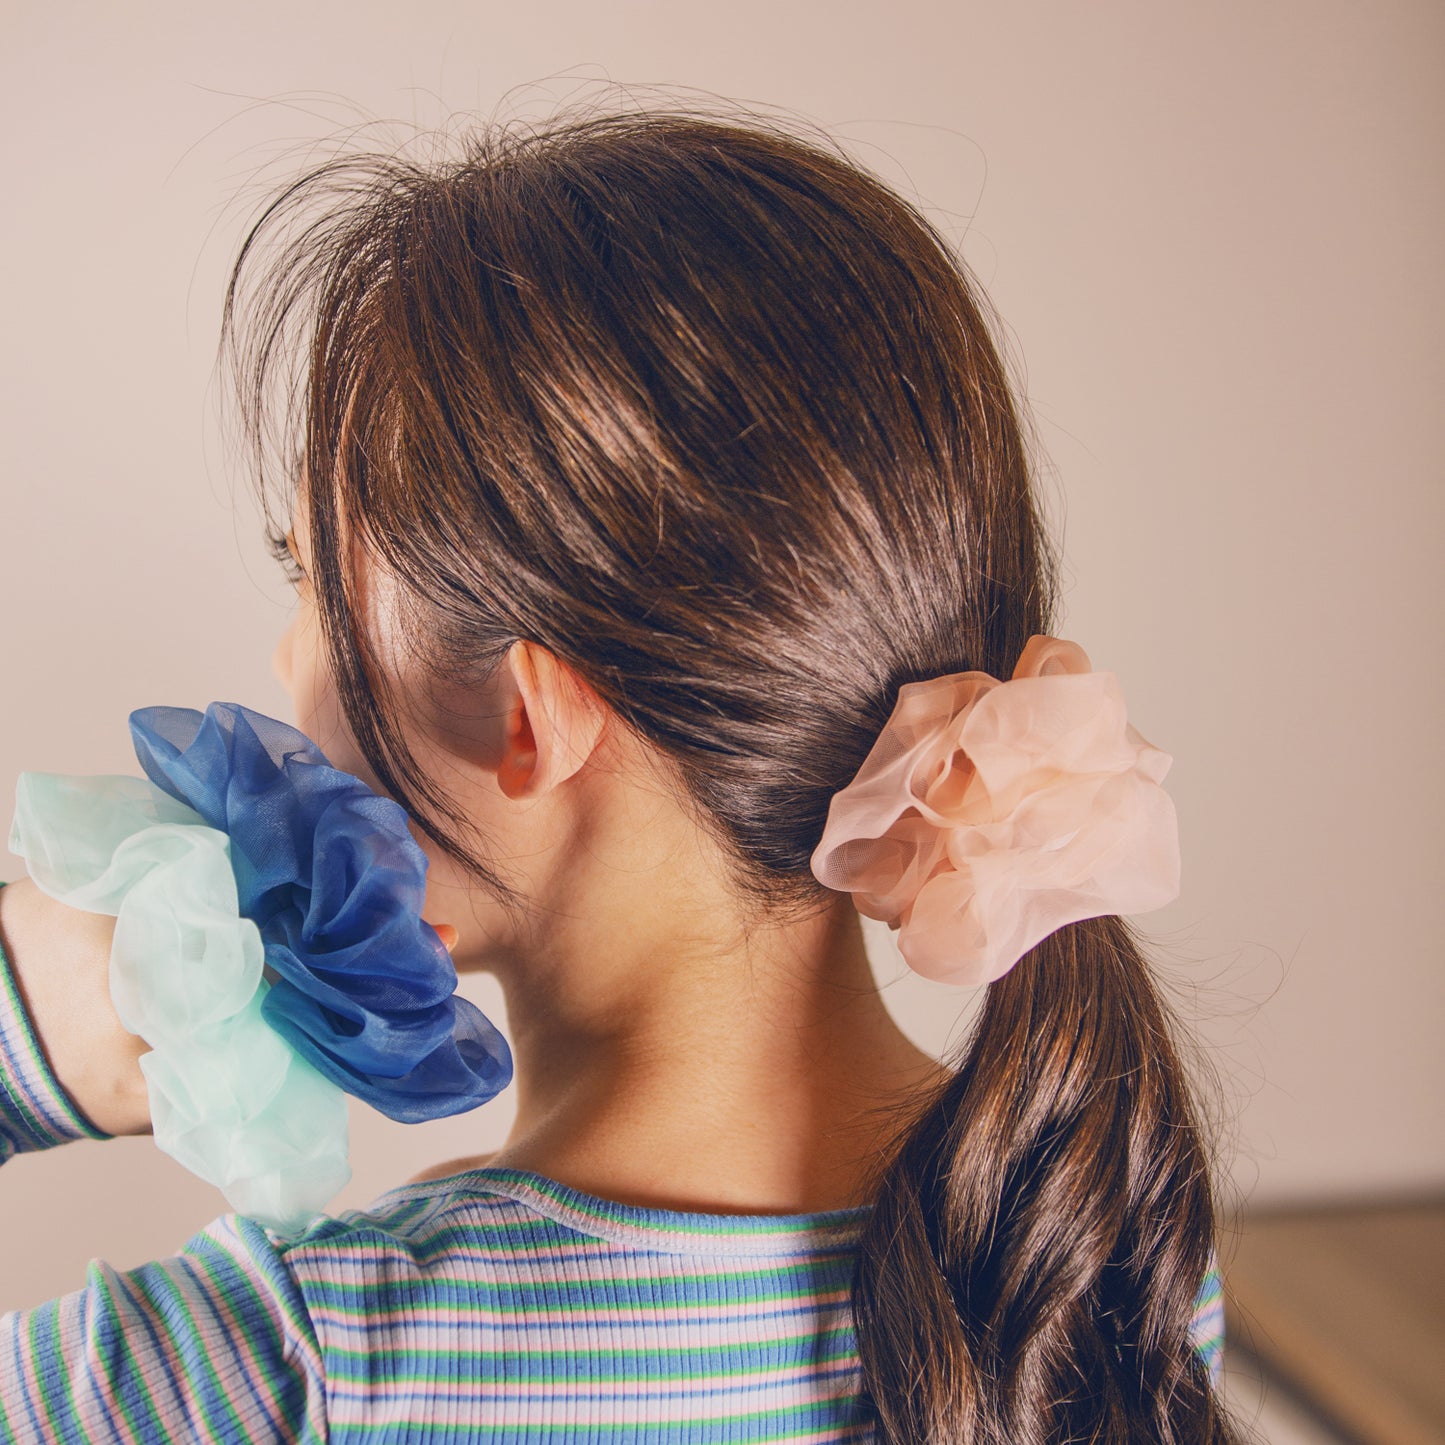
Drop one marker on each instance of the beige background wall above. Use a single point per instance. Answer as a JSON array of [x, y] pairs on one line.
[[1214, 232]]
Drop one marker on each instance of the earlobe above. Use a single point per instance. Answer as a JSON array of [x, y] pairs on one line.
[[553, 725]]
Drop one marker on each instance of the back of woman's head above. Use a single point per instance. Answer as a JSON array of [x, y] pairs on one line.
[[714, 416], [709, 414]]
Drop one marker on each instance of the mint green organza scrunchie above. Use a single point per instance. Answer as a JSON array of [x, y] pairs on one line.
[[229, 1098]]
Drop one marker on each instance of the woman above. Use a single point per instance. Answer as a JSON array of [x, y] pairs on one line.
[[661, 489]]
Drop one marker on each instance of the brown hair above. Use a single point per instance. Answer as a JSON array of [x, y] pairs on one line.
[[714, 415]]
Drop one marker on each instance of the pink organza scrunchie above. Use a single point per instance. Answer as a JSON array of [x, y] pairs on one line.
[[988, 814]]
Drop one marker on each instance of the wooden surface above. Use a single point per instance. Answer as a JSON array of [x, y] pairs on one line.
[[1347, 1306]]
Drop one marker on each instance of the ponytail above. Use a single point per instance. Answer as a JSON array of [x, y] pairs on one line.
[[1038, 1242]]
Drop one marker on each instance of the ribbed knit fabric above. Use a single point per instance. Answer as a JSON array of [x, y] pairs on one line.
[[491, 1305]]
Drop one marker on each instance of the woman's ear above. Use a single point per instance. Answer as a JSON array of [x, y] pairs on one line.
[[553, 723]]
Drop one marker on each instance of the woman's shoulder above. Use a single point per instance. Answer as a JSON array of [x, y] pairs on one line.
[[487, 1211], [455, 1166], [445, 1207], [520, 1276], [479, 1252]]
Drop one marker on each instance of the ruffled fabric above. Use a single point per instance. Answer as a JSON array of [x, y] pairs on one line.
[[328, 872], [229, 1099], [989, 814]]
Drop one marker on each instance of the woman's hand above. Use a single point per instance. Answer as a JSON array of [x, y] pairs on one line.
[[61, 960]]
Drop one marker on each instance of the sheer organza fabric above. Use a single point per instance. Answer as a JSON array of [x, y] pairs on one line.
[[328, 869], [988, 814], [229, 1098], [269, 946]]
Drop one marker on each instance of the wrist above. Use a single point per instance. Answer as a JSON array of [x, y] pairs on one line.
[[60, 960]]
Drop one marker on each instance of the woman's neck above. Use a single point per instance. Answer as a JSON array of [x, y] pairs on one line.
[[674, 1049], [764, 1078]]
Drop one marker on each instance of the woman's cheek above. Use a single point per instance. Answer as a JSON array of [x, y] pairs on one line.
[[282, 660], [301, 668]]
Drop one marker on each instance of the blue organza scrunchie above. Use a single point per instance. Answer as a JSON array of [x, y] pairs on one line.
[[361, 986]]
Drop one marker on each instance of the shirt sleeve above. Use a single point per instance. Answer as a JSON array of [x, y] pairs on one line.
[[214, 1344]]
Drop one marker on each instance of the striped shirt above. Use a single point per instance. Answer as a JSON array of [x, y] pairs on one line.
[[491, 1305]]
